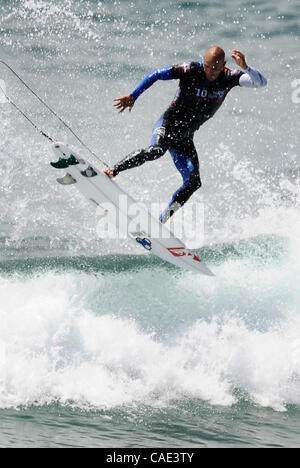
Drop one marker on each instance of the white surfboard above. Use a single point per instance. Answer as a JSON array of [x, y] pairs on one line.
[[102, 191]]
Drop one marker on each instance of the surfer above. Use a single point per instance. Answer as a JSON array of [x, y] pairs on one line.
[[203, 87]]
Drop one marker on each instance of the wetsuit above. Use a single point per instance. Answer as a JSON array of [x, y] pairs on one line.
[[196, 101]]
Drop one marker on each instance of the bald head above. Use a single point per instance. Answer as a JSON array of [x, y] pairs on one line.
[[214, 62], [216, 53]]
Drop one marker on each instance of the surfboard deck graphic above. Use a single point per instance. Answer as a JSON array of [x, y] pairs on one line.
[[101, 190]]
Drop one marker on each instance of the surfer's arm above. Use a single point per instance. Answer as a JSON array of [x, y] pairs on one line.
[[252, 78], [155, 75], [128, 100]]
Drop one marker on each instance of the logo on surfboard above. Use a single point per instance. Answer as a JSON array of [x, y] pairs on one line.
[[146, 243], [182, 252]]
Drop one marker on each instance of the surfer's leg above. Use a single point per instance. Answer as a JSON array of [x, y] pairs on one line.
[[187, 163], [138, 158], [156, 149]]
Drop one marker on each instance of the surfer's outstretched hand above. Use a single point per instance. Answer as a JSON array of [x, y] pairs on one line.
[[123, 102], [240, 59]]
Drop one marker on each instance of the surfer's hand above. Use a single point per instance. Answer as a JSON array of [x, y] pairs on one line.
[[108, 172], [239, 58], [123, 102]]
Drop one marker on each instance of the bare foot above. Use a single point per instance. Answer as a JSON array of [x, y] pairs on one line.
[[108, 172]]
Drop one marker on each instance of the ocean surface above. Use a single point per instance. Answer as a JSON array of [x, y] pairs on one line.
[[100, 344]]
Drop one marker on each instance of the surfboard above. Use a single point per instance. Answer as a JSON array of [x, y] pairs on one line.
[[104, 192]]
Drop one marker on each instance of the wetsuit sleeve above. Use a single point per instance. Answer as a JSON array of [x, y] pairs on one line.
[[157, 74], [252, 79]]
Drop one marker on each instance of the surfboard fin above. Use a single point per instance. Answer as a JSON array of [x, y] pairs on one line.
[[89, 172], [67, 180], [63, 163]]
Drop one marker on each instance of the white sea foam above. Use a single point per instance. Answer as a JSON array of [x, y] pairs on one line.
[[57, 347]]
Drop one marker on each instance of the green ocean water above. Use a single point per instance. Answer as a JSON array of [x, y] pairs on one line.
[[101, 344]]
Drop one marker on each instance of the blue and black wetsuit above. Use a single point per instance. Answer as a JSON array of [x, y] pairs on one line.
[[196, 101]]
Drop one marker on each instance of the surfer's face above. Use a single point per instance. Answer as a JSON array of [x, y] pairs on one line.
[[213, 67]]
